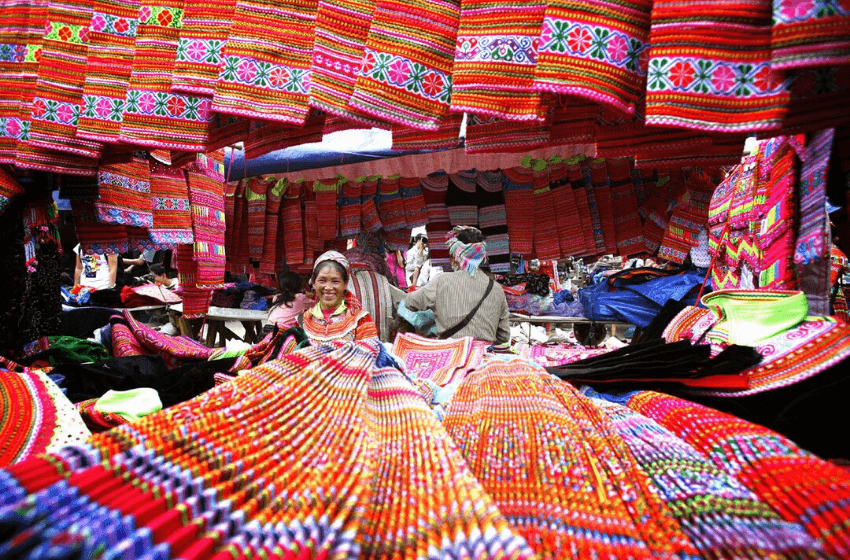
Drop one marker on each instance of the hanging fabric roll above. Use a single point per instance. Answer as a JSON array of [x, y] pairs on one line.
[[268, 263], [460, 199], [59, 86], [206, 196], [265, 71], [570, 234], [97, 238], [9, 189], [256, 195], [390, 205], [778, 216], [447, 135], [415, 213], [290, 215], [494, 135], [519, 207], [112, 38], [406, 77], [202, 39], [21, 29], [629, 230], [546, 244], [313, 244], [578, 172]]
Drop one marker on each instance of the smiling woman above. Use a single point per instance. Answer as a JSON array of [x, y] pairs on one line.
[[337, 314]]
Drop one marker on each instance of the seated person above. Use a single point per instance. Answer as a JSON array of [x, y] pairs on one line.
[[336, 315], [161, 278], [454, 296], [418, 267], [290, 301], [95, 271]]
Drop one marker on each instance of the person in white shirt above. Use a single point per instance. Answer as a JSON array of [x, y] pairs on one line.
[[95, 271], [161, 278], [418, 267]]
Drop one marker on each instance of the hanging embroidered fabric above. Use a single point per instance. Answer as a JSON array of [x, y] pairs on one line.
[[625, 207], [447, 135], [602, 192], [546, 244], [370, 220], [201, 41], [596, 51], [62, 68], [349, 209], [700, 77], [125, 194], [806, 35], [519, 207], [578, 172], [153, 114], [327, 205], [492, 220], [268, 263], [97, 238], [654, 212], [226, 130], [265, 70], [687, 219], [9, 189], [172, 215], [415, 213], [196, 299], [460, 199], [434, 191], [338, 49], [290, 214], [18, 28], [406, 74], [230, 219], [313, 244], [112, 37], [814, 240], [496, 53], [570, 234], [256, 192], [206, 196], [574, 121], [817, 100], [390, 204], [778, 215], [487, 134]]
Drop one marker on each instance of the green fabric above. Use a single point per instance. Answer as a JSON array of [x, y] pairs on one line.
[[69, 349], [130, 405], [230, 353], [748, 317]]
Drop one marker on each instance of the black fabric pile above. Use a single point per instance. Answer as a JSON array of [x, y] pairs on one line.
[[536, 284], [656, 362]]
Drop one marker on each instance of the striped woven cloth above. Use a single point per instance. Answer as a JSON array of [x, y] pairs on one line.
[[256, 195], [56, 104], [487, 134], [570, 234], [97, 238], [578, 172], [495, 57], [370, 219], [595, 50], [349, 209], [493, 220], [227, 130], [340, 41], [406, 74], [154, 115], [809, 34], [268, 262], [202, 38], [206, 196], [172, 214], [19, 28], [415, 213], [574, 121], [124, 191], [291, 215], [109, 62], [625, 206], [461, 203], [546, 243], [602, 192], [434, 190], [519, 207], [266, 62], [710, 69], [327, 205], [9, 189], [265, 136], [446, 135]]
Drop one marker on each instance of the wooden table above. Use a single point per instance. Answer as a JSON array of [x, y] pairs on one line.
[[216, 328]]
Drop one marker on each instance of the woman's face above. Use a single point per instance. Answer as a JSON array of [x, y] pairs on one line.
[[329, 287]]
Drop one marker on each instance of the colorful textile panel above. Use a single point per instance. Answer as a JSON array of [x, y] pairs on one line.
[[265, 70], [172, 215], [125, 194], [406, 74], [493, 220], [495, 58], [445, 136], [112, 38], [349, 209], [519, 206], [488, 134], [268, 262], [441, 362], [264, 137], [256, 194], [97, 237], [415, 213], [809, 34], [202, 39], [711, 69], [570, 235], [56, 105], [546, 243], [434, 190], [9, 189], [595, 50], [206, 196]]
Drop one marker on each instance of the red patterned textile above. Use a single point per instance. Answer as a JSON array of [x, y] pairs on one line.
[[578, 172], [710, 69], [9, 189], [415, 213], [624, 204], [255, 197], [574, 121], [595, 50], [390, 204], [492, 134], [124, 191], [349, 210], [328, 208], [153, 114], [97, 237], [447, 135], [265, 137], [174, 349], [203, 36], [407, 63], [172, 215], [434, 190], [268, 262], [370, 219], [602, 192], [206, 196], [519, 206], [546, 243], [688, 218], [570, 235], [21, 28], [61, 71], [290, 215], [112, 37], [809, 34], [495, 57], [265, 70]]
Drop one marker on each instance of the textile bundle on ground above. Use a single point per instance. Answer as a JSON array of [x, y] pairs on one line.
[[525, 467]]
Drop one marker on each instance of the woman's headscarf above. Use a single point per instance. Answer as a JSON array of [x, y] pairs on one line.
[[350, 299], [468, 256]]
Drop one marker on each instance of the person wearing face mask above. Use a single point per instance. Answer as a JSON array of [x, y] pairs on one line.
[[336, 314], [466, 302]]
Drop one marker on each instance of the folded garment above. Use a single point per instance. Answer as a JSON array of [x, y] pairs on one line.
[[130, 405]]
